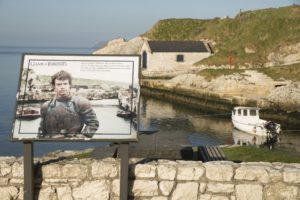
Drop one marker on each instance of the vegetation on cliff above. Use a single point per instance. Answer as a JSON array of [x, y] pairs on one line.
[[250, 37], [279, 73]]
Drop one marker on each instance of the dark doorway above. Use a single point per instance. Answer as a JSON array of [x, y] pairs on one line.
[[144, 60]]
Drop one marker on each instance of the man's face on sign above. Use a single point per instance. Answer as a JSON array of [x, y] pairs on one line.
[[62, 88]]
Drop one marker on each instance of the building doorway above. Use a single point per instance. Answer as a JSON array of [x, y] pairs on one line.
[[144, 64]]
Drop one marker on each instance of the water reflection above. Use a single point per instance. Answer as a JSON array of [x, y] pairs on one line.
[[176, 126], [242, 138]]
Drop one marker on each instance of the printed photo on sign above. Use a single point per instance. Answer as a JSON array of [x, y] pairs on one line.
[[77, 97]]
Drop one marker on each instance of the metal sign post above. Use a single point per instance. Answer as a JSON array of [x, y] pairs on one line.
[[28, 171], [123, 149]]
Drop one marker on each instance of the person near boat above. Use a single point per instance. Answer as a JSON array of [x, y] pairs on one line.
[[66, 115]]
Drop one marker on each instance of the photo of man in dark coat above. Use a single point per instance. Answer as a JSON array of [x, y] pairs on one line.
[[66, 115]]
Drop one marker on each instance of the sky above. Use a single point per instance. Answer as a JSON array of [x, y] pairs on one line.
[[87, 23]]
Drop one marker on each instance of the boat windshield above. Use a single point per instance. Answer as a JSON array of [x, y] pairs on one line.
[[245, 112], [252, 112]]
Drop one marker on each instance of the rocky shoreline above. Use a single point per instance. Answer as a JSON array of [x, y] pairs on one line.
[[216, 102], [279, 100]]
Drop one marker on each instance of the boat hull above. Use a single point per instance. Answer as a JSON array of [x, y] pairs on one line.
[[256, 129], [243, 138], [247, 120]]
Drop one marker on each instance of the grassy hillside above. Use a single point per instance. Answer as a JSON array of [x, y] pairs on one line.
[[287, 72], [262, 31]]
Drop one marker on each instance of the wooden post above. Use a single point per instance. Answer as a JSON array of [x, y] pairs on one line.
[[28, 171], [123, 149]]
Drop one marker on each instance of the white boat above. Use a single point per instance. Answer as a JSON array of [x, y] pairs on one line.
[[28, 112], [247, 119]]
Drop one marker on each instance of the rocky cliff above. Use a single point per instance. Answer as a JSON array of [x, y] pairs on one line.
[[256, 39], [121, 46], [250, 85]]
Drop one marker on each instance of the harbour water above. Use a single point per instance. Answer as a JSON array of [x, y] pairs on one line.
[[171, 124]]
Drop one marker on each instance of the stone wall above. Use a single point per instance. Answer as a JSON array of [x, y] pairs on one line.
[[153, 180]]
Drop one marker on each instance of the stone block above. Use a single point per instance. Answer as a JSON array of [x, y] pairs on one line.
[[47, 193], [202, 187], [8, 193], [275, 175], [205, 197], [74, 182], [5, 169], [102, 169], [166, 162], [218, 171], [280, 191], [166, 187], [249, 192], [159, 198], [116, 187], [21, 194], [74, 171], [16, 181], [144, 188], [7, 159], [92, 190], [291, 175], [189, 173], [212, 197], [166, 172], [3, 181], [64, 193], [189, 163], [220, 187], [184, 191], [55, 180], [252, 173], [144, 171], [51, 171], [18, 170]]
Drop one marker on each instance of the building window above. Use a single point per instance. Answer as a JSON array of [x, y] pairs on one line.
[[179, 58]]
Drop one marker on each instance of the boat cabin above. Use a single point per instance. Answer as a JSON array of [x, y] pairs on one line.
[[249, 113], [246, 111]]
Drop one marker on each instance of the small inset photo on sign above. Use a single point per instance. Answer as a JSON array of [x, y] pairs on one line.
[[77, 97]]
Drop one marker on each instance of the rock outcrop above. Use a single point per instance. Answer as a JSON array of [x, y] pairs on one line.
[[285, 55], [283, 95], [120, 46]]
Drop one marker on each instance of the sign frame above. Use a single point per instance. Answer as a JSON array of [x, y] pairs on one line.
[[96, 62]]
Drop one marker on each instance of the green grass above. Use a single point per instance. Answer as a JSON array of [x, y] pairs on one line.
[[264, 31], [210, 74], [288, 72], [253, 154]]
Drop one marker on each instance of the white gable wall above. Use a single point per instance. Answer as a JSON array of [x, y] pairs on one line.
[[167, 61]]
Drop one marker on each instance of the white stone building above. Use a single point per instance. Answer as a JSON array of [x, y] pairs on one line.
[[172, 55]]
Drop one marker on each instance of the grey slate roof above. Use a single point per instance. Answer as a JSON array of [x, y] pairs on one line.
[[177, 46]]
